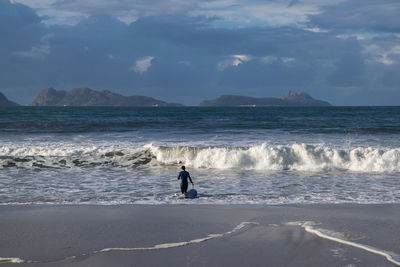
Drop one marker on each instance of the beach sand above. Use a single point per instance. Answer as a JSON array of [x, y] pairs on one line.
[[200, 235]]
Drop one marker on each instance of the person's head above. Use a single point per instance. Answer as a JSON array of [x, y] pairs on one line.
[[183, 167]]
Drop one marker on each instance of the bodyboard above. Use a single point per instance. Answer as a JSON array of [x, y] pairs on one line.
[[192, 193]]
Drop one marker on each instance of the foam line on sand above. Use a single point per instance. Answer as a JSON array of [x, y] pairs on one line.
[[308, 227], [11, 260], [180, 244]]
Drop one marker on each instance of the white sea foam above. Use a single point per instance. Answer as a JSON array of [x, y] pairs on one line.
[[337, 237], [11, 260], [184, 243], [297, 157], [300, 157]]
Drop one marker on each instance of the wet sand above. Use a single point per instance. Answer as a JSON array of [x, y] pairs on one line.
[[200, 235]]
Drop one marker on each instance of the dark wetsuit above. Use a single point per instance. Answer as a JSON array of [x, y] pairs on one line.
[[184, 175]]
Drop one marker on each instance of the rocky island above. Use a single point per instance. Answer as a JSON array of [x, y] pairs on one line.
[[4, 102], [291, 99], [89, 97]]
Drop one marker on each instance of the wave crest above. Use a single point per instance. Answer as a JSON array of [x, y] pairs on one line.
[[264, 157], [299, 157]]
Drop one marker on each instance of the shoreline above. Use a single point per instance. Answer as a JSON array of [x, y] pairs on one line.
[[199, 235]]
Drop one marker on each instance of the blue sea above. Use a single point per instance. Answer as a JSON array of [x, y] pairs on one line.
[[263, 155]]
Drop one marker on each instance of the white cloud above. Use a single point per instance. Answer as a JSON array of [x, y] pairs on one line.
[[142, 65], [36, 52], [381, 55], [347, 36], [236, 60], [384, 59], [239, 59], [315, 29], [270, 59], [287, 60], [387, 57], [233, 61]]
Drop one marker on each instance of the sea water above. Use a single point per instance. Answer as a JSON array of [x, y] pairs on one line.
[[271, 155]]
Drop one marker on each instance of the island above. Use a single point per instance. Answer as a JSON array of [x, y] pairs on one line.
[[89, 97], [291, 99], [4, 102]]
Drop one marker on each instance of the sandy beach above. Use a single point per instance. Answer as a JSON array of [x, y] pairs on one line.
[[200, 235]]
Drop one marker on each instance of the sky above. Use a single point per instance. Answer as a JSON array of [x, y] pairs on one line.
[[346, 52]]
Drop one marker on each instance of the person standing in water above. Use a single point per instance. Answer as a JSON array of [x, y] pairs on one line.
[[184, 175]]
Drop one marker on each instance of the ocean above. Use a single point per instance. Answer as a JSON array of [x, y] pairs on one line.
[[238, 155]]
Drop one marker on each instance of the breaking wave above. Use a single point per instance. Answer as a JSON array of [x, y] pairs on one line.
[[265, 157]]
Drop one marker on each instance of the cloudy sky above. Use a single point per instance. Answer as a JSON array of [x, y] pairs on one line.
[[344, 51]]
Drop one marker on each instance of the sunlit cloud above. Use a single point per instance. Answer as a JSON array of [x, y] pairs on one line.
[[382, 55], [233, 61], [287, 60], [142, 65], [315, 29], [236, 60]]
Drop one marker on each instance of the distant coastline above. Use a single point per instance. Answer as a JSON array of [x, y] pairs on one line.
[[87, 97], [289, 99]]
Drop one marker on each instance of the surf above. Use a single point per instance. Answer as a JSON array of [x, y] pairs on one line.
[[263, 157]]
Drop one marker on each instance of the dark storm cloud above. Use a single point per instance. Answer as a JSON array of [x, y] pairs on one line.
[[186, 58], [360, 15], [102, 52], [22, 38], [19, 26]]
